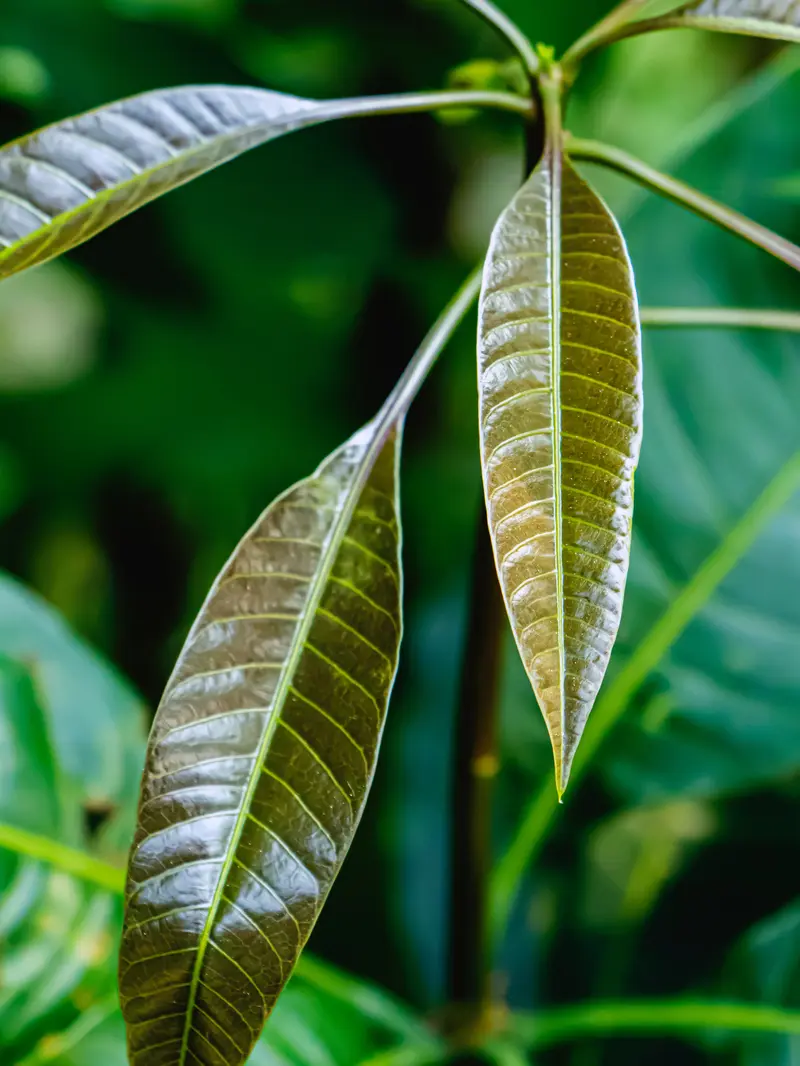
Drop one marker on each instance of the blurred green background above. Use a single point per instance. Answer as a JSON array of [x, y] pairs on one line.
[[164, 382]]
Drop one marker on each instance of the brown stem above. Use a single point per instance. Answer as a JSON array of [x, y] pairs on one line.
[[476, 766]]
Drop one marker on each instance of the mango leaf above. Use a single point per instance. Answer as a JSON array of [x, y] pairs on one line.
[[69, 181], [560, 385], [260, 760], [778, 19]]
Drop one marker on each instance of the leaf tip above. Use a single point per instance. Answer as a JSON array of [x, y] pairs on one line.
[[563, 767]]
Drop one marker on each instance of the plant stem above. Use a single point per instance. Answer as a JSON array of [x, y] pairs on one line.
[[723, 317], [70, 860], [428, 352], [686, 196], [510, 31], [538, 818], [410, 103], [681, 1016], [607, 29], [476, 766]]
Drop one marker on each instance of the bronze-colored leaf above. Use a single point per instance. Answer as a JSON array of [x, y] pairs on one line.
[[67, 182], [560, 390], [260, 760]]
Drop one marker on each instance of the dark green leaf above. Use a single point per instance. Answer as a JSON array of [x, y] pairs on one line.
[[561, 396], [260, 760], [69, 181]]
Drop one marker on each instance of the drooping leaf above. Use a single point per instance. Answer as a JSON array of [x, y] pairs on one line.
[[778, 19], [260, 760], [560, 412], [69, 181]]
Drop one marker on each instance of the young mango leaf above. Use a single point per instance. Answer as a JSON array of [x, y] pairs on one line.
[[559, 368], [778, 19], [260, 760], [67, 182]]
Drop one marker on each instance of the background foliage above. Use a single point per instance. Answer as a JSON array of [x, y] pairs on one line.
[[172, 376]]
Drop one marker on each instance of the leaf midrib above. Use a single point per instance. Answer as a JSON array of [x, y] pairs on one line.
[[552, 100], [273, 714]]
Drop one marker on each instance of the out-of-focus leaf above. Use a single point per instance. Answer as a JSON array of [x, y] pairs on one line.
[[560, 408], [261, 758], [53, 929], [308, 1028], [765, 967], [632, 856], [96, 719], [778, 19], [69, 181]]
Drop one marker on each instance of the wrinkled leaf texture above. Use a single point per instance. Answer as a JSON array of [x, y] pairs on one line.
[[560, 391], [779, 19], [67, 182], [260, 760]]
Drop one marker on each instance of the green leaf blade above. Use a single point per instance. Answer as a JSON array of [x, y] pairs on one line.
[[67, 182], [260, 760], [561, 397]]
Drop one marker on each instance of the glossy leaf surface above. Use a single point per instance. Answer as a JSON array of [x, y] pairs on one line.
[[69, 181], [778, 19], [260, 760], [560, 411]]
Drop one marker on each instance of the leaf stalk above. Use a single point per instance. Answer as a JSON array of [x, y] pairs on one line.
[[411, 103], [606, 30], [686, 196], [510, 31], [720, 317]]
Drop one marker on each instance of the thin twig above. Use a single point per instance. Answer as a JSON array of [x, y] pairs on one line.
[[606, 30]]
